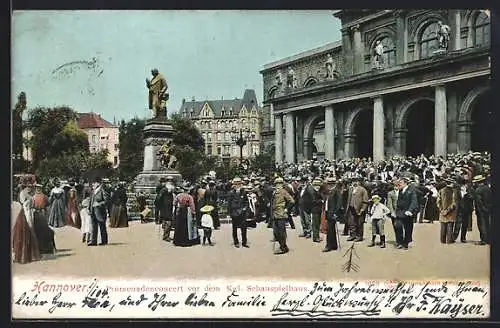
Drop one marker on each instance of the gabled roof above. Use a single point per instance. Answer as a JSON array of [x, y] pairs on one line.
[[249, 100], [92, 121]]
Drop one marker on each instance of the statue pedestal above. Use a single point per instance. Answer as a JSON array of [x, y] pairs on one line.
[[157, 132]]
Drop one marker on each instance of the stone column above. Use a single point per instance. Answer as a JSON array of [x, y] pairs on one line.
[[464, 136], [308, 147], [329, 133], [378, 129], [347, 53], [349, 144], [278, 138], [456, 30], [402, 38], [358, 51], [290, 138], [299, 137], [271, 110], [440, 123], [400, 142]]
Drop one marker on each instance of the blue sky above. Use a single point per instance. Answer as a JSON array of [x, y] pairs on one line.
[[109, 54]]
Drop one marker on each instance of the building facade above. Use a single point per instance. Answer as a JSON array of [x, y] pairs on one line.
[[388, 87], [102, 135], [219, 121]]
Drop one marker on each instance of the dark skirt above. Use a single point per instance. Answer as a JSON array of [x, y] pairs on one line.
[[431, 211], [44, 233], [331, 236], [24, 241], [181, 237], [73, 209], [118, 217]]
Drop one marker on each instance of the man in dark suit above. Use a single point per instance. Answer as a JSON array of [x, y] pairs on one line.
[[406, 209], [164, 203], [306, 193], [332, 206], [97, 208], [211, 198], [237, 203], [482, 206]]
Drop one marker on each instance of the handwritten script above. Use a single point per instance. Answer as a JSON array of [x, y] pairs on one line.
[[384, 299]]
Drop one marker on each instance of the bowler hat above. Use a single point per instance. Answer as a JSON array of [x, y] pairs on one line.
[[278, 180]]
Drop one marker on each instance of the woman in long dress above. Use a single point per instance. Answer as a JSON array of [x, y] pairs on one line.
[[44, 234], [86, 220], [72, 211], [24, 242], [186, 232], [119, 216], [57, 212]]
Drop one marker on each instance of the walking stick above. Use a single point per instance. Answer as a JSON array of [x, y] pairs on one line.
[[338, 236]]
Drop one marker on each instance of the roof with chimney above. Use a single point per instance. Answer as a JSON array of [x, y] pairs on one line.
[[92, 121], [249, 100]]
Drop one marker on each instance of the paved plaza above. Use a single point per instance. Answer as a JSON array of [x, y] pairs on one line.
[[138, 252]]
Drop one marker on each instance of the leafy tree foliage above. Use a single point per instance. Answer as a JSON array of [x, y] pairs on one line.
[[263, 163], [131, 148], [74, 164], [189, 149], [52, 135]]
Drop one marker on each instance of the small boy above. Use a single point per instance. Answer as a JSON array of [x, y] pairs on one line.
[[207, 223], [378, 214]]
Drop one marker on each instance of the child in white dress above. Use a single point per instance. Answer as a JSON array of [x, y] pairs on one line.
[[207, 223], [86, 220]]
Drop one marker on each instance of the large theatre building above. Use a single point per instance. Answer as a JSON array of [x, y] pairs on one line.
[[341, 101]]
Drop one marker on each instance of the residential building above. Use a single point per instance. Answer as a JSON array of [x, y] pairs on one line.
[[418, 95], [220, 122], [102, 135]]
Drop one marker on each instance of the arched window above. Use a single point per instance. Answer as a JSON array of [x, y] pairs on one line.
[[389, 55], [482, 29], [310, 82], [429, 40]]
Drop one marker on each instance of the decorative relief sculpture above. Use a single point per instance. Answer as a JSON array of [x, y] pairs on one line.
[[443, 33], [166, 156], [291, 81], [378, 51], [330, 68], [279, 81]]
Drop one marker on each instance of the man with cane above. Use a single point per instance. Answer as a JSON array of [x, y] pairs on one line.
[[332, 206]]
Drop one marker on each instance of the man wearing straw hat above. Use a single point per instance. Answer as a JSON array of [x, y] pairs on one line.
[[482, 206], [282, 203]]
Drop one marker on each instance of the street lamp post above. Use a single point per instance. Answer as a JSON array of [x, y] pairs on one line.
[[241, 139]]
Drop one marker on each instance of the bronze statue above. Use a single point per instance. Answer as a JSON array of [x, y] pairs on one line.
[[158, 94]]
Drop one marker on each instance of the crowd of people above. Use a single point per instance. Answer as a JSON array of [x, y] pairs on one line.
[[400, 190]]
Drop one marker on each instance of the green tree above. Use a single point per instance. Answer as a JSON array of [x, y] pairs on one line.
[[189, 149], [131, 148], [74, 165], [263, 163], [52, 135]]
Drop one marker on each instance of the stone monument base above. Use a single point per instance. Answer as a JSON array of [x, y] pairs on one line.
[[147, 181], [157, 133]]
